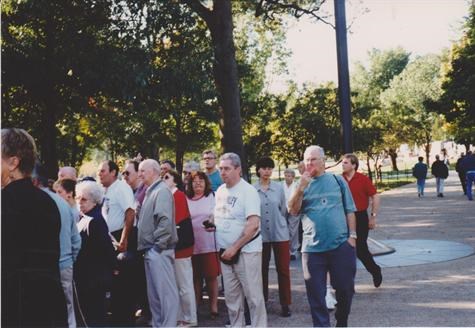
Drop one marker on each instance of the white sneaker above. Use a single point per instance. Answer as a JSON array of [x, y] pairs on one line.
[[330, 299]]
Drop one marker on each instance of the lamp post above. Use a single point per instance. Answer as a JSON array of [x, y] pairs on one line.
[[343, 76]]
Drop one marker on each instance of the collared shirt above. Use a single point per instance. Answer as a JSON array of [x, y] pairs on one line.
[[273, 210], [325, 204], [233, 207], [361, 189], [118, 198]]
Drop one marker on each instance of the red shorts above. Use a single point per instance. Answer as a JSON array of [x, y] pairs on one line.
[[206, 265]]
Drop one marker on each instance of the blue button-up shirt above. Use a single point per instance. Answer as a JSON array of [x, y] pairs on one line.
[[273, 211]]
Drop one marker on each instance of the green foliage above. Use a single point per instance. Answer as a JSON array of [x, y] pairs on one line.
[[458, 84]]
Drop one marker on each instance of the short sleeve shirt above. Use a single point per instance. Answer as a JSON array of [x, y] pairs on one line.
[[200, 211], [118, 198], [361, 189], [325, 204], [273, 209], [233, 206]]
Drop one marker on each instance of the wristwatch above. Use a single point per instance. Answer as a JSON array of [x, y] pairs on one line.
[[353, 235]]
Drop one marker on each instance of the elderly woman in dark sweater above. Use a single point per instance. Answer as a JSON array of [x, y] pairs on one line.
[[93, 268]]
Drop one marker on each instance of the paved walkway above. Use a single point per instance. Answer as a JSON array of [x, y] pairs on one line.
[[435, 293]]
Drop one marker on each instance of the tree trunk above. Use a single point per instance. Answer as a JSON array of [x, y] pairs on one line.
[[393, 154], [226, 78], [427, 148], [370, 173]]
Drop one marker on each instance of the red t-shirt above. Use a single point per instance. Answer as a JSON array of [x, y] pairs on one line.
[[361, 189], [181, 212]]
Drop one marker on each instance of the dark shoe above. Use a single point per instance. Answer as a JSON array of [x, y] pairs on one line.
[[377, 279], [293, 257], [340, 323], [285, 311], [441, 195]]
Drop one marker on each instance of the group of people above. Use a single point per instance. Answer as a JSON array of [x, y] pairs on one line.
[[154, 239], [465, 167]]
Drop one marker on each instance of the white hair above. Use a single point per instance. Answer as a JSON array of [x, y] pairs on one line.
[[91, 190], [153, 164], [314, 149], [234, 158]]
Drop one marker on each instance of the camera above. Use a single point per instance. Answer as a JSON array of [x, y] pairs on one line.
[[208, 224]]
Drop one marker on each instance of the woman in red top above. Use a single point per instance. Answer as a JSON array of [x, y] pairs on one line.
[[183, 252]]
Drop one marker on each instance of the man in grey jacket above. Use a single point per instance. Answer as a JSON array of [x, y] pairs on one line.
[[157, 238]]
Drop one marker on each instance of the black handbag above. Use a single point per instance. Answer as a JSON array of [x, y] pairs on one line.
[[186, 238], [235, 258]]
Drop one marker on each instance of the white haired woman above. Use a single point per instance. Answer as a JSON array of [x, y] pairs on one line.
[[93, 268]]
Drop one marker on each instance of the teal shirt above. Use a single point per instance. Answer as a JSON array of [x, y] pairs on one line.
[[324, 207], [215, 179]]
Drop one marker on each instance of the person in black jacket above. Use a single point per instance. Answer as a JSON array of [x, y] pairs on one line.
[[461, 172], [93, 268], [441, 172], [31, 287]]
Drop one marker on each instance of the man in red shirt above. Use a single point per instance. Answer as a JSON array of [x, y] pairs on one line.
[[363, 190]]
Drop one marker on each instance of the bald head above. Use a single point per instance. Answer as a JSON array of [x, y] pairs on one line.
[[67, 172]]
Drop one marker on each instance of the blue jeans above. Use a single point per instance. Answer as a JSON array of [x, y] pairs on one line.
[[470, 176], [420, 186], [341, 263]]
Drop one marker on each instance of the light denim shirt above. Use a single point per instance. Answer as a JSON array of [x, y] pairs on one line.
[[273, 211]]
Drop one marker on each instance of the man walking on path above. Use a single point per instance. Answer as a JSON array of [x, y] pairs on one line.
[[363, 190], [237, 217], [461, 173], [419, 171], [468, 165], [330, 237], [441, 172]]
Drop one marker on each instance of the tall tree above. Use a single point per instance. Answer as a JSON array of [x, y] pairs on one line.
[[368, 83], [406, 102], [458, 84]]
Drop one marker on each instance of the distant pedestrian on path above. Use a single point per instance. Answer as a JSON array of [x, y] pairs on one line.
[[468, 165], [461, 173], [419, 171], [441, 172], [363, 190], [329, 239]]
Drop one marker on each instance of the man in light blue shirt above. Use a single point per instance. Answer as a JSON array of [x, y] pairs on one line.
[[329, 237], [69, 241]]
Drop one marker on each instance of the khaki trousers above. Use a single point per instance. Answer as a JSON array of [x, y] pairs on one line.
[[244, 279]]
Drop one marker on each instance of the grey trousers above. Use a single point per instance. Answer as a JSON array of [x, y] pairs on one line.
[[293, 223], [67, 283], [162, 290], [244, 279]]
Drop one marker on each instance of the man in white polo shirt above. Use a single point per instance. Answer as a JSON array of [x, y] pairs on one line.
[[237, 218], [118, 210]]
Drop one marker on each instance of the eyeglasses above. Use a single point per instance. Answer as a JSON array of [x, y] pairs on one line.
[[186, 173], [126, 173]]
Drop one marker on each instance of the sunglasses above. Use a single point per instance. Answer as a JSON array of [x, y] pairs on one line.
[[126, 173]]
